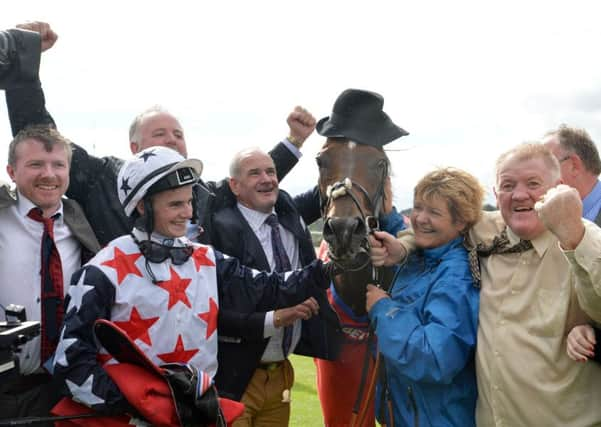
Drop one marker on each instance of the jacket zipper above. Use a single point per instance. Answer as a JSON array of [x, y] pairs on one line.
[[414, 405]]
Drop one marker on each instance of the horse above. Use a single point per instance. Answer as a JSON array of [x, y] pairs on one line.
[[352, 186]]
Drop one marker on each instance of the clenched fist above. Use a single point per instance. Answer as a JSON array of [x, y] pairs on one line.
[[46, 33], [301, 124], [560, 209]]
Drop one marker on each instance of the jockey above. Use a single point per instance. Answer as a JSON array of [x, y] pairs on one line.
[[161, 289]]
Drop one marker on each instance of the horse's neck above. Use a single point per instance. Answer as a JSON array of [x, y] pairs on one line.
[[352, 286]]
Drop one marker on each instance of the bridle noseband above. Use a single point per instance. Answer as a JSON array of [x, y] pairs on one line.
[[345, 188]]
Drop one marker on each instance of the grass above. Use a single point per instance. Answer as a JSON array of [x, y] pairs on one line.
[[305, 410]]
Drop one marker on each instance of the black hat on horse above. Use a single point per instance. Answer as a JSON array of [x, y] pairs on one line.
[[358, 116]]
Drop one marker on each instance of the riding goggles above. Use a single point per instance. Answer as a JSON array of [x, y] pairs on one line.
[[157, 253]]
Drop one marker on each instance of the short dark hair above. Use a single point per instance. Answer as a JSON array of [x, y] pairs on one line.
[[43, 134], [579, 142]]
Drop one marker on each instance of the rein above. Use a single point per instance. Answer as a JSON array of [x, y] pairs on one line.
[[334, 191]]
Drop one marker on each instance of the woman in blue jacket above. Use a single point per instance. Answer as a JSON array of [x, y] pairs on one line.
[[427, 326]]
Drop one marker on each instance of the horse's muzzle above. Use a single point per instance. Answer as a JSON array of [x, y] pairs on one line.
[[347, 240]]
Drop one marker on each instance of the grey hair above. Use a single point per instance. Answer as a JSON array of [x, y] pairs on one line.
[[135, 124], [239, 156], [527, 151], [578, 141]]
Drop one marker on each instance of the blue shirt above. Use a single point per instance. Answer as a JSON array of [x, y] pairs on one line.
[[591, 204]]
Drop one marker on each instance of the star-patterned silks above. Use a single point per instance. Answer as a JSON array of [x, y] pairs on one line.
[[210, 317], [179, 354], [83, 393], [136, 327], [60, 355], [146, 155], [176, 286], [125, 185], [151, 315], [77, 292], [124, 264], [200, 258]]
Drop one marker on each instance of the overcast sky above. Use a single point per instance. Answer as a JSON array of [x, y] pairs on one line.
[[468, 80]]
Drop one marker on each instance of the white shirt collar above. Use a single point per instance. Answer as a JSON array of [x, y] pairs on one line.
[[254, 218], [24, 205]]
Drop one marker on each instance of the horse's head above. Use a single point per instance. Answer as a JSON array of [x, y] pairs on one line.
[[352, 180]]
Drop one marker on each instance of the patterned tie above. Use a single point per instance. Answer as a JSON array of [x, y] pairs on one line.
[[282, 264], [51, 285], [499, 245]]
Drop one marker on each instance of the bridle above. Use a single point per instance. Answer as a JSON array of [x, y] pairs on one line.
[[345, 187]]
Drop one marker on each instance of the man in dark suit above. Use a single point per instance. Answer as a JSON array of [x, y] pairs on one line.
[[253, 346]]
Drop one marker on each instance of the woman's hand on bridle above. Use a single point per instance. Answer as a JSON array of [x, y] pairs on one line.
[[385, 249]]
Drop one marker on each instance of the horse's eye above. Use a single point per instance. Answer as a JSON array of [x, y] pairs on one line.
[[319, 162]]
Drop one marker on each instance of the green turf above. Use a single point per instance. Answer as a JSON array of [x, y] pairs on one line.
[[306, 411]]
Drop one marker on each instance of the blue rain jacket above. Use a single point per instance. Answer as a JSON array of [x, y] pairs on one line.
[[427, 337]]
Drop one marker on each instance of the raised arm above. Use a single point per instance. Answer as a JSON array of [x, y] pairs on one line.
[[19, 57], [24, 96]]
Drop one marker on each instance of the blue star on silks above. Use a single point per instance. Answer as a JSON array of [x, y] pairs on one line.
[[77, 292], [60, 356], [83, 393], [147, 155], [125, 185]]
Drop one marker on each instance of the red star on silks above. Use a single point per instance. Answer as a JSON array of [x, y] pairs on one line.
[[200, 258], [176, 286], [124, 264], [178, 354], [210, 317], [136, 327]]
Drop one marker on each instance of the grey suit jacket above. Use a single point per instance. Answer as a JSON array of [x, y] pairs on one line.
[[73, 217]]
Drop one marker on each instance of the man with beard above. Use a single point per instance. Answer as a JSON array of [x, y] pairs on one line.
[[43, 240]]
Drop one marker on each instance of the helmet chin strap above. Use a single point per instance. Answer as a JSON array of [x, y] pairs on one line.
[[148, 216], [148, 223]]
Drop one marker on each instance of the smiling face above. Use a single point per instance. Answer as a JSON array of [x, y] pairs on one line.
[[255, 184], [172, 210], [433, 223], [41, 176], [521, 182]]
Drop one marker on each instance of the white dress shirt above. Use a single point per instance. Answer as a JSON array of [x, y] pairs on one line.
[[21, 263], [256, 221]]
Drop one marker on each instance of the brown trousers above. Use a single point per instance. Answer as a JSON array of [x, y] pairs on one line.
[[263, 397]]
